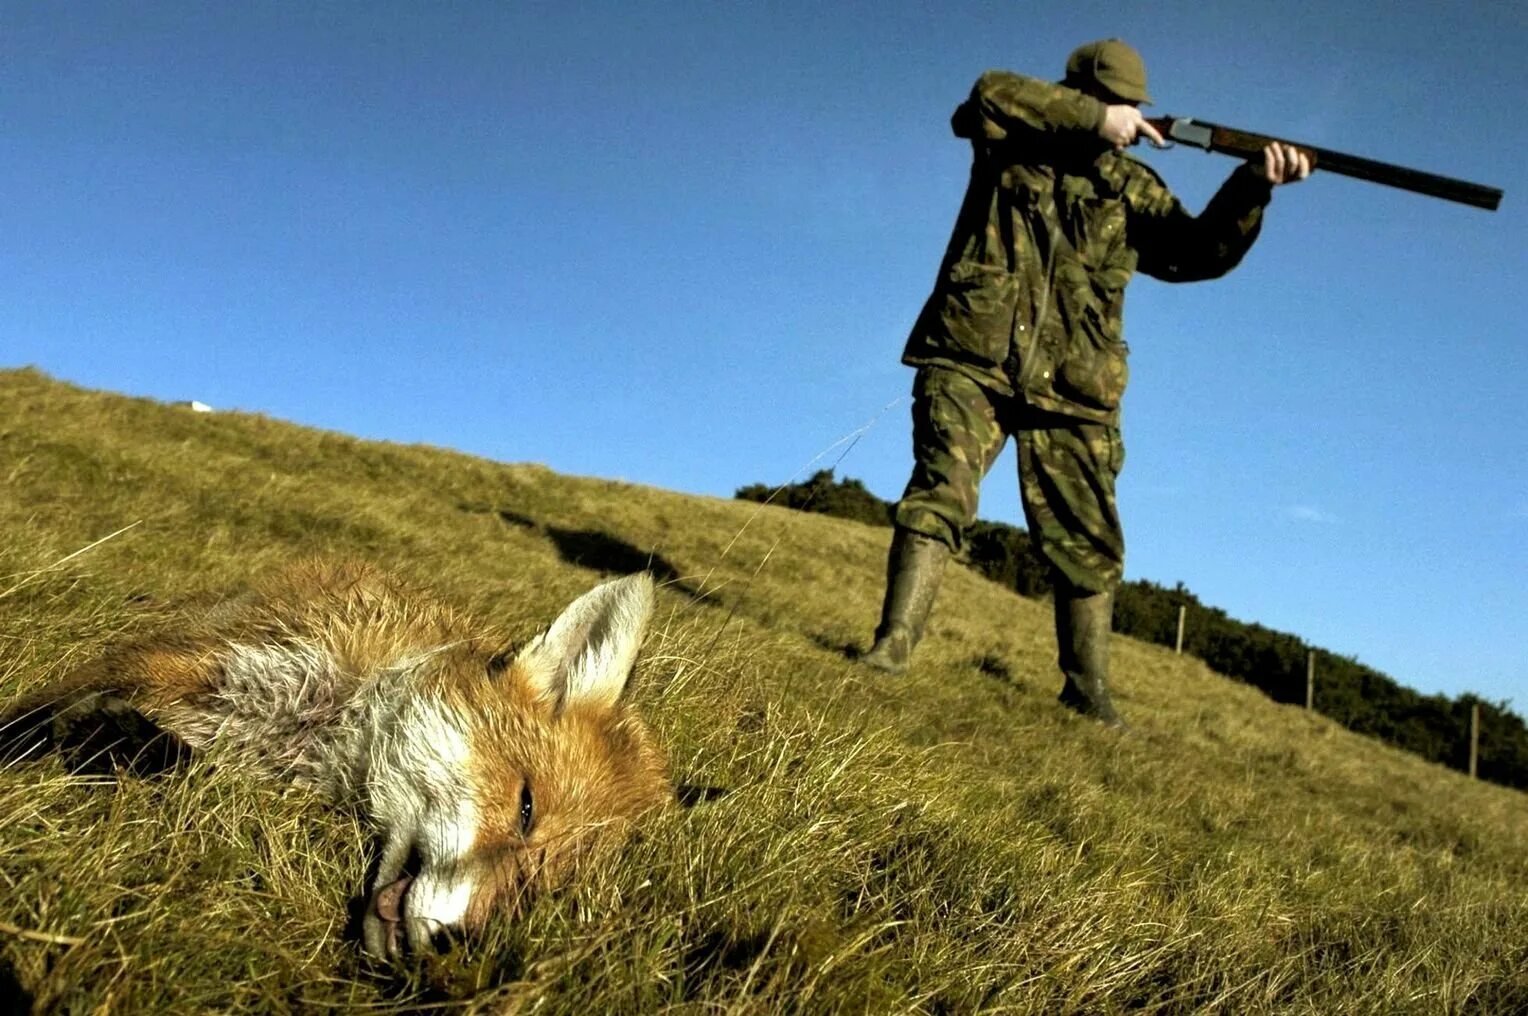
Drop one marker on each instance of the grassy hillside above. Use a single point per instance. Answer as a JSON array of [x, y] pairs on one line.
[[948, 842]]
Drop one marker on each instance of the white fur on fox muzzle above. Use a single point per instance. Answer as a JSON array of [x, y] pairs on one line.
[[435, 902]]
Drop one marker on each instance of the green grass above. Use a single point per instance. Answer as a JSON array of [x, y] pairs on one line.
[[948, 842]]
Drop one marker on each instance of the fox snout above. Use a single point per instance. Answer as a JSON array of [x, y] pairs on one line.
[[428, 904], [414, 912], [432, 896]]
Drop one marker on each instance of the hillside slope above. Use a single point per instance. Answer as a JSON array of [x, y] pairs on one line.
[[948, 842]]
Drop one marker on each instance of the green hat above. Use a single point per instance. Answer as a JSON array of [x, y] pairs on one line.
[[1111, 63]]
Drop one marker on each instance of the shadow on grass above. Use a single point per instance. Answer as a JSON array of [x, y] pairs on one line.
[[505, 515], [848, 650], [603, 552], [13, 997], [592, 549], [689, 794], [719, 953], [997, 668], [95, 735]]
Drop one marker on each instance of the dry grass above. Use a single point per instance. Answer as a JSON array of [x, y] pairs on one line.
[[950, 842]]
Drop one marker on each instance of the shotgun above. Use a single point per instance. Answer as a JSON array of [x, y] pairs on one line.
[[1212, 137]]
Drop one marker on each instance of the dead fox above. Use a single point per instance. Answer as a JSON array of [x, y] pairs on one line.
[[486, 773]]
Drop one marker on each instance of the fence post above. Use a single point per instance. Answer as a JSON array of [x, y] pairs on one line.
[[1310, 679], [1182, 609], [1474, 737]]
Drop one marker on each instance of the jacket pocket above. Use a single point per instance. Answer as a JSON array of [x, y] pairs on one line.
[[1095, 377], [1093, 371], [976, 305], [1095, 226]]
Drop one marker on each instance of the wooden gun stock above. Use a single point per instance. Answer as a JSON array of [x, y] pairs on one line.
[[1247, 145]]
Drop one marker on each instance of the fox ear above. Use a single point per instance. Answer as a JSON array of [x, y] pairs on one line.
[[586, 656]]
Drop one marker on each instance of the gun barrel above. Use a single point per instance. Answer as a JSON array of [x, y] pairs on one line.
[[1431, 184], [1231, 141]]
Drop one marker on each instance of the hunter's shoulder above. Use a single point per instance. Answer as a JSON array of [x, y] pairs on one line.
[[998, 80]]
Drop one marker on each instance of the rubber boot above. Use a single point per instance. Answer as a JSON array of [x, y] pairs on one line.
[[1083, 621], [913, 570]]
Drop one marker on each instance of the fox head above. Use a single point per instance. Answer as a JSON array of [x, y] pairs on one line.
[[502, 770]]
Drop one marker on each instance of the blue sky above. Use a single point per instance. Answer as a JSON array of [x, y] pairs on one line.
[[682, 244]]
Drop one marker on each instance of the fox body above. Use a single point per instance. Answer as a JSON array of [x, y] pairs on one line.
[[487, 773]]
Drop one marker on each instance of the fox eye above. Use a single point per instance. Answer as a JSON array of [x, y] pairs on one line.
[[527, 809]]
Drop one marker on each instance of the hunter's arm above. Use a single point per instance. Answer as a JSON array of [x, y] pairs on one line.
[[1005, 106], [1175, 246]]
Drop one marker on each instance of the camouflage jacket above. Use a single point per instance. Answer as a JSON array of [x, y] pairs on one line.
[[1031, 289]]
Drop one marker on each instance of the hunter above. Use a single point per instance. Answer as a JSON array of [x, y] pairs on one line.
[[1022, 337]]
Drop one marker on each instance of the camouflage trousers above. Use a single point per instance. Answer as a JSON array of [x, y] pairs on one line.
[[1067, 469]]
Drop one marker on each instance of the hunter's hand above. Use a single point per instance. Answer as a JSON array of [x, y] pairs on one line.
[[1124, 125], [1282, 163]]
